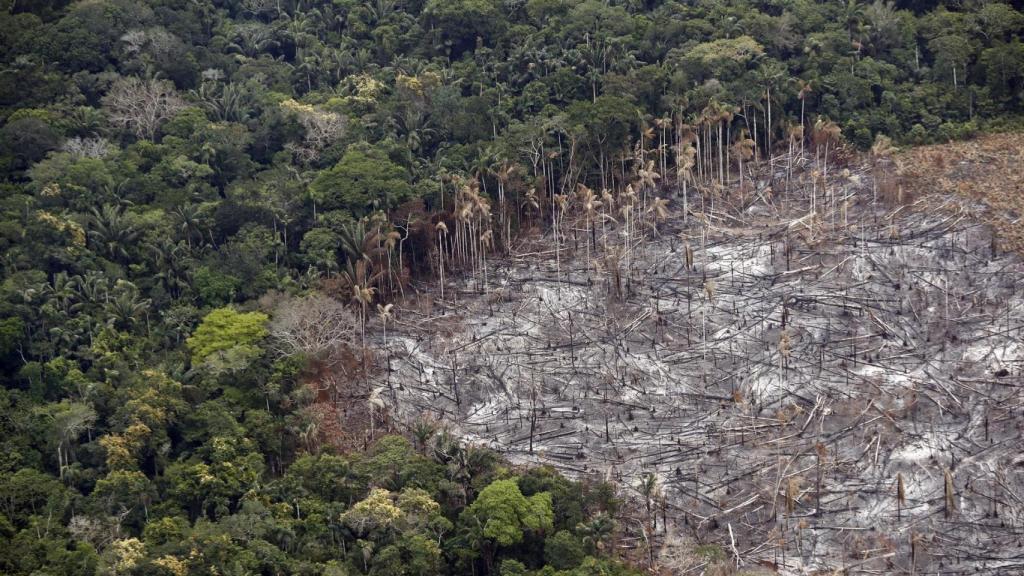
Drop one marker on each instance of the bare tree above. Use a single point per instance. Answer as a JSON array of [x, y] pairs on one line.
[[142, 106], [86, 147], [322, 128], [314, 325]]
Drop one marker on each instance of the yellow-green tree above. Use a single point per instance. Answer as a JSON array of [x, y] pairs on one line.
[[228, 339]]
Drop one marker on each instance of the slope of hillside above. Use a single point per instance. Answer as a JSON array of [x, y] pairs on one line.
[[807, 390]]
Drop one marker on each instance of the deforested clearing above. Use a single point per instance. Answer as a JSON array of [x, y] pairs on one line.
[[819, 372]]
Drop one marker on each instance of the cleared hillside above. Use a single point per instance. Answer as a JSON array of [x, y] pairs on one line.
[[810, 390]]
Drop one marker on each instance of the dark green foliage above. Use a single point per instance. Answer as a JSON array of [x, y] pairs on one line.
[[363, 180], [460, 25], [26, 141], [563, 551]]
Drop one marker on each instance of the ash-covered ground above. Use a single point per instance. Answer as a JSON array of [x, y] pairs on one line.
[[780, 386]]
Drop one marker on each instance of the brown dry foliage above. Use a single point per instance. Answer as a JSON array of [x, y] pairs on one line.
[[987, 169]]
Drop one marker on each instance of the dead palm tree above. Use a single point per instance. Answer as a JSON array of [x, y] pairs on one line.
[[687, 255], [795, 134], [486, 244], [391, 240], [686, 158], [826, 133], [725, 118], [805, 89], [530, 202], [559, 203], [359, 281], [626, 207], [590, 205], [375, 404], [384, 313], [611, 262], [658, 212], [442, 230], [648, 178], [309, 434], [663, 125], [608, 206], [881, 151], [708, 116], [743, 150], [504, 173]]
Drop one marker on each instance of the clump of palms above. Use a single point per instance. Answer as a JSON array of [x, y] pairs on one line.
[[473, 237]]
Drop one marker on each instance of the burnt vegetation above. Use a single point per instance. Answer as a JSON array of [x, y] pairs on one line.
[[810, 371]]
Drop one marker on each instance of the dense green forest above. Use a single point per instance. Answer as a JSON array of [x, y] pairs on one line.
[[193, 189]]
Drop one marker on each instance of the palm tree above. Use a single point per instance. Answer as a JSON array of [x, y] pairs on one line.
[[375, 404], [686, 159], [92, 287], [707, 117], [423, 429], [658, 211], [743, 150], [391, 240], [646, 135], [626, 207], [881, 151], [559, 202], [663, 125], [503, 173], [852, 13], [369, 246], [769, 73], [597, 531], [648, 176], [309, 434], [725, 118], [112, 231], [649, 488], [190, 221], [883, 29], [384, 313], [805, 89], [125, 308], [486, 244], [62, 291], [795, 133], [442, 231], [251, 39], [825, 133], [168, 262], [227, 102], [69, 420], [362, 296], [590, 205]]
